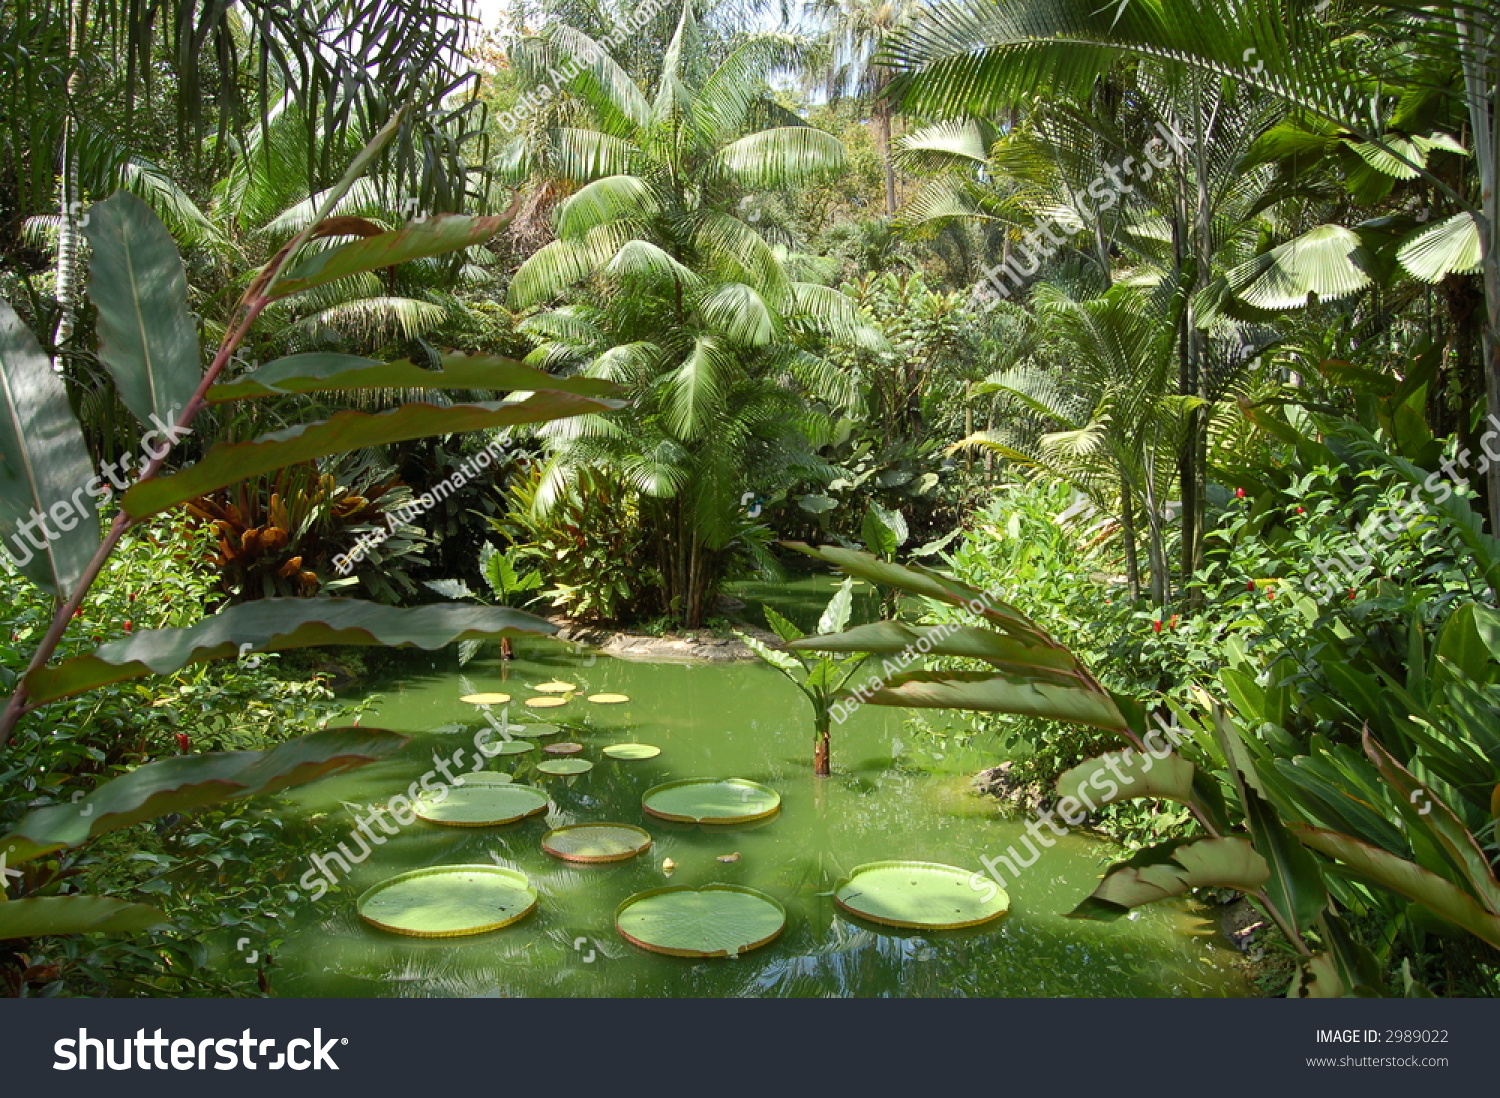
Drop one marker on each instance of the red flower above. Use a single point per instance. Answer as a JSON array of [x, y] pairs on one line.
[[1156, 625], [1249, 585], [1239, 493], [129, 626], [1299, 511], [1351, 592], [78, 613], [183, 743], [1270, 592], [131, 596]]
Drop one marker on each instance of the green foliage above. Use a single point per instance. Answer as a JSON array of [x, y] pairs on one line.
[[589, 545], [821, 679]]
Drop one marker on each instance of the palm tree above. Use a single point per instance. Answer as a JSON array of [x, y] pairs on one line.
[[1358, 68], [1099, 411], [671, 290], [856, 32], [1175, 213]]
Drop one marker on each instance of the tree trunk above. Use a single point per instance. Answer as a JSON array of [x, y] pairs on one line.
[[1127, 534], [887, 161]]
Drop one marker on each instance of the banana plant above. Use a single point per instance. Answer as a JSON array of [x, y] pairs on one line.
[[819, 678], [507, 582], [148, 343]]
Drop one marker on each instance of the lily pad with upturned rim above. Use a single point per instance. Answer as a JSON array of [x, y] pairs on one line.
[[919, 895], [630, 751], [609, 699], [482, 805], [566, 767], [712, 801], [449, 901], [717, 920], [555, 687], [545, 702], [563, 748], [509, 747], [486, 777], [596, 843], [485, 699]]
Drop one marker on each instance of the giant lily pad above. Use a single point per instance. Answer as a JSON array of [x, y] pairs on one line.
[[509, 747], [487, 777], [555, 687], [632, 751], [482, 805], [596, 842], [449, 901], [716, 920], [545, 702], [485, 699], [609, 699], [924, 895], [565, 766], [563, 748], [712, 801]]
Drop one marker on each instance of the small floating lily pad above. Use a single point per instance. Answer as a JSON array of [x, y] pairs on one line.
[[609, 699], [716, 920], [449, 901], [924, 895], [545, 702], [565, 766], [487, 777], [485, 699], [533, 731], [482, 805], [509, 747], [712, 800], [555, 687], [596, 842], [563, 748], [632, 751]]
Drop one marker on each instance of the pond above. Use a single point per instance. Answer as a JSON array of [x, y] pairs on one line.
[[895, 794]]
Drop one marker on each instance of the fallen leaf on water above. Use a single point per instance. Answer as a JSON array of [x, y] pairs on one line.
[[667, 866], [730, 857]]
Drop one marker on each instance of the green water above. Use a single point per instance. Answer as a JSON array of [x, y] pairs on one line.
[[894, 794]]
